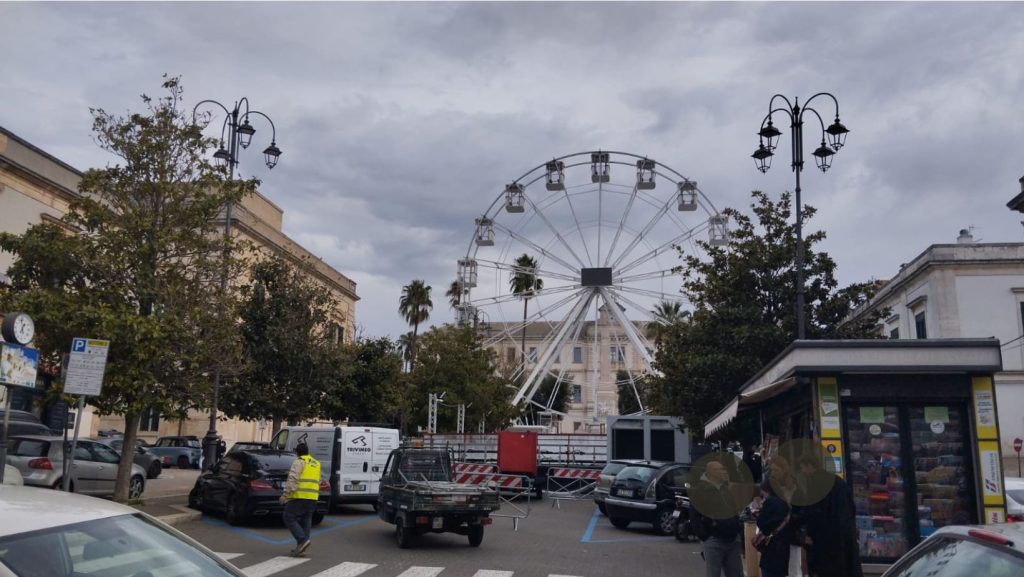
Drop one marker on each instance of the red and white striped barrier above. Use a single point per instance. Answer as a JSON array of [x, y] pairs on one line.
[[473, 468], [590, 474], [503, 481]]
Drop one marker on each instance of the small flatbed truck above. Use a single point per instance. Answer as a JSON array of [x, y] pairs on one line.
[[417, 496]]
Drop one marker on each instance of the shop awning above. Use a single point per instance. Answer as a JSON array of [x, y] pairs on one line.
[[747, 397]]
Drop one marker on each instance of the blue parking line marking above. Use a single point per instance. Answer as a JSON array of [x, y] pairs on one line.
[[251, 534], [589, 533]]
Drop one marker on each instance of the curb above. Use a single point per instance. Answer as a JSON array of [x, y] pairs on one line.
[[186, 516]]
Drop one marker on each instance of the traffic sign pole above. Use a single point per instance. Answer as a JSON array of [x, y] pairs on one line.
[[69, 461], [1017, 444], [3, 440]]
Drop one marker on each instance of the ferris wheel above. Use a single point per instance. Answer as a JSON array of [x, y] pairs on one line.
[[599, 231]]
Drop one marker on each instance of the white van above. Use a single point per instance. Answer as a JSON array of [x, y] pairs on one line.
[[355, 457]]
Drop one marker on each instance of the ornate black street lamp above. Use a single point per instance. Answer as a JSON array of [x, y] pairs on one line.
[[836, 135], [239, 132]]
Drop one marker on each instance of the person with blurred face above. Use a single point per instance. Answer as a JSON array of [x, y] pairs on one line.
[[716, 522]]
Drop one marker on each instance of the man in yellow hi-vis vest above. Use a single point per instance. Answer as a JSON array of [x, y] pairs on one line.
[[299, 497]]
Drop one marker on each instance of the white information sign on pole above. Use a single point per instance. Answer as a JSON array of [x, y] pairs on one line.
[[86, 363]]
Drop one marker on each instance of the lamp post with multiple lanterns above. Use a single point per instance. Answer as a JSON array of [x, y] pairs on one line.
[[835, 133], [239, 133]]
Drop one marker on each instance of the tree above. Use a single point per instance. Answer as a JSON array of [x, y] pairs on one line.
[[415, 306], [405, 341], [628, 403], [368, 390], [136, 260], [666, 313], [451, 359], [546, 392], [525, 284], [744, 314], [454, 294], [285, 318]]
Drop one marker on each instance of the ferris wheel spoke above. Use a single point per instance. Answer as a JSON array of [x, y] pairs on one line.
[[631, 381], [543, 273], [644, 231], [661, 249], [646, 276], [531, 384], [512, 328], [506, 297], [536, 247], [554, 231], [647, 313], [629, 328], [647, 293], [579, 229], [622, 225]]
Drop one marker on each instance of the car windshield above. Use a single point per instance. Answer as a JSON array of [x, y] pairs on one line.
[[113, 547], [613, 468], [28, 447], [273, 462], [1017, 495], [642, 474], [958, 558]]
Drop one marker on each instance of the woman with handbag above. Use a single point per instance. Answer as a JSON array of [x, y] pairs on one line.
[[775, 533]]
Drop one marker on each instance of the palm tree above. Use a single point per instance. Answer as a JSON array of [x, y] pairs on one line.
[[525, 284], [454, 294], [405, 345], [415, 306], [666, 313]]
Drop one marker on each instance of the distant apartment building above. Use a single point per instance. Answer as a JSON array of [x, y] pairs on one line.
[[36, 186], [964, 290], [592, 363]]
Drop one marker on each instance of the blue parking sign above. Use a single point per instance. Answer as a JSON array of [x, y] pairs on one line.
[[78, 345]]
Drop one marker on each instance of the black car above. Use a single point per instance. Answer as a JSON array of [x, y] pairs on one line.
[[247, 484], [645, 492]]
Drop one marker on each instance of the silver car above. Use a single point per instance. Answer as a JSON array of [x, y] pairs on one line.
[[40, 460]]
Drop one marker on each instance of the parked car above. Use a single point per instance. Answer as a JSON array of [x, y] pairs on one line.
[[604, 482], [150, 463], [40, 460], [181, 452], [961, 550], [248, 484], [1014, 499], [58, 534], [12, 476], [25, 423], [248, 446], [645, 492]]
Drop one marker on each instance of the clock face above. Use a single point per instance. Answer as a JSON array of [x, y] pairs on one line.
[[24, 329]]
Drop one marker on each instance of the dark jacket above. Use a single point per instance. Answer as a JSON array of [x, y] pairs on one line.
[[713, 512], [832, 526], [775, 559]]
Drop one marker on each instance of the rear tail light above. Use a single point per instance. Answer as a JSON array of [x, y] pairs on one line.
[[43, 464], [165, 460], [325, 486], [422, 520], [1014, 518], [257, 485], [990, 537]]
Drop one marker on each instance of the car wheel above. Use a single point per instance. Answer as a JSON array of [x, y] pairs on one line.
[[136, 485], [476, 535], [182, 462], [155, 468], [619, 523], [664, 523], [195, 499], [403, 536], [60, 485], [235, 515], [600, 507], [376, 507], [318, 518]]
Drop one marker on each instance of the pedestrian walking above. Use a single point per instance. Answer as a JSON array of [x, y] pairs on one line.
[[773, 522], [301, 491], [717, 522], [785, 485], [831, 523]]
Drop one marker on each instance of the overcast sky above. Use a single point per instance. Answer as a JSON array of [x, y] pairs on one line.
[[401, 122]]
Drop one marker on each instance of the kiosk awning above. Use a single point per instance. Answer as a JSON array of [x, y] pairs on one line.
[[750, 397]]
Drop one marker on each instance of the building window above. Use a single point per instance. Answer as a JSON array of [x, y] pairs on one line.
[[920, 326], [510, 355], [533, 354], [894, 333], [577, 355], [617, 354], [577, 393], [337, 333], [150, 421]]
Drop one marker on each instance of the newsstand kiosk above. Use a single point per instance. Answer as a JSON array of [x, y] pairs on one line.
[[910, 424]]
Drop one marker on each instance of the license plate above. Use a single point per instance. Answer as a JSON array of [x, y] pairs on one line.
[[675, 514], [355, 488], [625, 492], [438, 522]]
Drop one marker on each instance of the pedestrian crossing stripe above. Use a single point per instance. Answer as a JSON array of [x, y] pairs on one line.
[[421, 572], [349, 569], [271, 566], [490, 573], [346, 569]]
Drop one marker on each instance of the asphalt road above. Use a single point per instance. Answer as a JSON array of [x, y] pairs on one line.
[[573, 540], [171, 482]]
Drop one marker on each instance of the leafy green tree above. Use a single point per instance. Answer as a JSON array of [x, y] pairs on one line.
[[137, 260], [525, 284], [546, 392], [452, 360], [628, 403], [285, 319], [666, 313], [744, 315], [454, 294], [369, 385], [415, 306]]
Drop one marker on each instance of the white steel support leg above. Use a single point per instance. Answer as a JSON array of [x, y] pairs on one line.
[[629, 328], [533, 381]]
